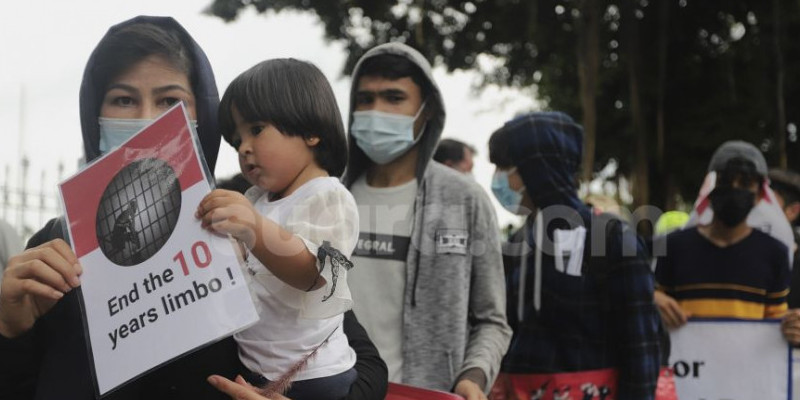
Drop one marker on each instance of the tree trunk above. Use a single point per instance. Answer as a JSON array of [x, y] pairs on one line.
[[588, 61], [779, 82], [419, 33], [662, 156], [630, 24]]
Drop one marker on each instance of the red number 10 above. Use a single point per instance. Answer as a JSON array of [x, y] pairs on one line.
[[200, 254]]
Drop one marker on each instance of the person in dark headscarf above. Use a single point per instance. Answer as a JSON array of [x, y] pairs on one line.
[[140, 68]]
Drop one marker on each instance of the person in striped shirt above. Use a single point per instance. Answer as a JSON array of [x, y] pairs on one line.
[[725, 269]]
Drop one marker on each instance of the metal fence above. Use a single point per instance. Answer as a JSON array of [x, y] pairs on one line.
[[29, 198]]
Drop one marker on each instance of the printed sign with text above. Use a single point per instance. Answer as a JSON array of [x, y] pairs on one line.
[[155, 284], [730, 360]]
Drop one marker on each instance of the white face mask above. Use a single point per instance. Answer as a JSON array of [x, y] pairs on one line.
[[116, 131], [384, 136], [509, 198]]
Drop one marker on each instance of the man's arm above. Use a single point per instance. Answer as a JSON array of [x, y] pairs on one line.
[[373, 376], [489, 332]]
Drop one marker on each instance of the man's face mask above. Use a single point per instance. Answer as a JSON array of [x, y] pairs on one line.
[[115, 131], [384, 136], [731, 205], [508, 198]]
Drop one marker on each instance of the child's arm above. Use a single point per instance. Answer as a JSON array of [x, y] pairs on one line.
[[286, 255]]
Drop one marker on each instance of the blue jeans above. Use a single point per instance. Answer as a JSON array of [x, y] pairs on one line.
[[332, 387]]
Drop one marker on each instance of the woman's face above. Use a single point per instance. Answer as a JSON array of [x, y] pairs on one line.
[[147, 89]]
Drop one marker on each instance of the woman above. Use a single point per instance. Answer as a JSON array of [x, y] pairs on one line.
[[138, 70]]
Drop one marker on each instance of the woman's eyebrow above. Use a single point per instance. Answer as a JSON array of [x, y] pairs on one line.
[[123, 86], [167, 88]]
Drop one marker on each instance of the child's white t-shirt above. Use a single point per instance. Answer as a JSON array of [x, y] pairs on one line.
[[292, 321]]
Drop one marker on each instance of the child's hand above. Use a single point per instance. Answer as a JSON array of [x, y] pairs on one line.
[[229, 212]]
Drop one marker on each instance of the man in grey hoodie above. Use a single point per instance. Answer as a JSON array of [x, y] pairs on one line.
[[428, 283]]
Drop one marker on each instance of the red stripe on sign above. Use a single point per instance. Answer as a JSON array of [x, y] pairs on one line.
[[168, 139]]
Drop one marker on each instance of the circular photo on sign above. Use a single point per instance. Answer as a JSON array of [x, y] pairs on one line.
[[138, 211]]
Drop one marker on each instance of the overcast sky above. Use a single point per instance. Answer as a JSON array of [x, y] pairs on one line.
[[45, 45]]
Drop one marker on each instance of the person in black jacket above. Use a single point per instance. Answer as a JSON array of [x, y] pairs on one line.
[[138, 70]]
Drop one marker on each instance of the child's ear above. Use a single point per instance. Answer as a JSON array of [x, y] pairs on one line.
[[312, 141]]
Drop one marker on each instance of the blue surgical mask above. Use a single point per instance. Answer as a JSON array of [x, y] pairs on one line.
[[115, 131], [508, 198], [384, 136]]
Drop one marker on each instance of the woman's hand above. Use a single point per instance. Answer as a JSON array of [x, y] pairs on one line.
[[240, 389], [33, 282], [229, 212], [671, 312]]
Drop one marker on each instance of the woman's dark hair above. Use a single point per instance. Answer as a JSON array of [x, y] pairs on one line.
[[119, 50], [500, 148], [393, 67], [294, 97]]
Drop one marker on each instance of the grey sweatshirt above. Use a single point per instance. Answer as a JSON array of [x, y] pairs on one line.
[[454, 302]]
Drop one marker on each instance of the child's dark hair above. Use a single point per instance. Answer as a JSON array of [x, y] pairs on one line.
[[393, 67], [123, 48], [294, 97]]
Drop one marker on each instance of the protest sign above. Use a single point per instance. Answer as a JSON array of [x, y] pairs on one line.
[[715, 359], [155, 284]]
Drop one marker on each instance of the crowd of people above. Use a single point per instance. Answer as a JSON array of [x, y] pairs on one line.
[[419, 288]]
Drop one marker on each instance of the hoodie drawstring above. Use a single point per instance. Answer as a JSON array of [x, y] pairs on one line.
[[523, 275], [537, 269]]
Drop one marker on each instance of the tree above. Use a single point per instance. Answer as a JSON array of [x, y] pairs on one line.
[[780, 72], [641, 183], [657, 84], [587, 26]]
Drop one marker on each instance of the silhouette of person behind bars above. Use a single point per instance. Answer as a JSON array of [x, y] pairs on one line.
[[124, 230]]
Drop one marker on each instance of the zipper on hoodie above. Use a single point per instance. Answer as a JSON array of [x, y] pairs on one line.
[[421, 196]]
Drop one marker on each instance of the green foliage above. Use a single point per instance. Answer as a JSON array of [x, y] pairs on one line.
[[720, 65]]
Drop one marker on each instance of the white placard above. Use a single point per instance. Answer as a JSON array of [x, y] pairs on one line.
[[155, 284], [731, 360]]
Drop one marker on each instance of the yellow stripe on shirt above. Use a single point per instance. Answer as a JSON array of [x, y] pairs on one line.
[[732, 308]]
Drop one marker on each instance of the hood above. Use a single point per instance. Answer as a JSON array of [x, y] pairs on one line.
[[205, 91], [738, 149], [546, 147], [358, 161]]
